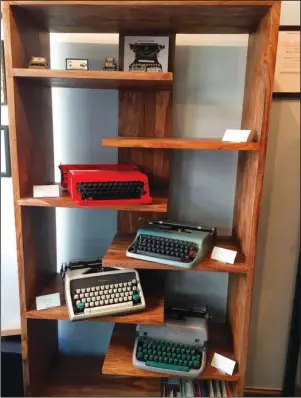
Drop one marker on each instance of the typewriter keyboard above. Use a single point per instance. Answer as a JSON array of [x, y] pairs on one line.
[[111, 190], [105, 293], [165, 248], [167, 355]]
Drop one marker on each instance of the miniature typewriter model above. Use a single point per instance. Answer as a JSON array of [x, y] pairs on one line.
[[110, 64], [146, 57], [92, 292], [177, 348], [38, 63], [172, 243], [106, 184]]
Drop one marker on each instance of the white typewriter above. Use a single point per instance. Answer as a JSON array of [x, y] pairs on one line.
[[91, 291]]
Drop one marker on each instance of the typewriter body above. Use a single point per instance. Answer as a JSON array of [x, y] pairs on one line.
[[179, 347], [106, 184], [146, 57], [91, 292], [172, 243]]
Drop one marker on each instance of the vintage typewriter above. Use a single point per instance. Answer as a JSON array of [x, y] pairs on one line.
[[171, 243], [106, 184], [179, 347], [146, 57], [92, 291]]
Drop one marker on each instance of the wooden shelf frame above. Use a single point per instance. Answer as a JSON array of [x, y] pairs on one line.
[[159, 205], [145, 111], [179, 143], [95, 79]]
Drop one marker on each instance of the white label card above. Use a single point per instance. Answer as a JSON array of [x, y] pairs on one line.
[[48, 301], [236, 135], [46, 191], [223, 364], [223, 255]]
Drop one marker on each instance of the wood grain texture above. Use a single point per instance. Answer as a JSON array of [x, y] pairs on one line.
[[10, 332], [158, 205], [144, 114], [31, 146], [153, 314], [79, 376], [179, 143], [147, 16], [119, 355], [256, 115], [115, 256], [95, 79]]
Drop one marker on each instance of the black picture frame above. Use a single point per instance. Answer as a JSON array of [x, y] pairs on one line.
[[6, 151], [3, 78], [278, 95]]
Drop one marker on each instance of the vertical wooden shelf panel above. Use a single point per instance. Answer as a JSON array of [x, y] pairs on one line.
[[261, 59], [31, 144], [145, 114]]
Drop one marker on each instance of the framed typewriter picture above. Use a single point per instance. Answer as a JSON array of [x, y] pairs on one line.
[[146, 53], [5, 153], [287, 71], [3, 81]]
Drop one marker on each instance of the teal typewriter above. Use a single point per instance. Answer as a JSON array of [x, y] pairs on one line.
[[172, 243], [179, 347]]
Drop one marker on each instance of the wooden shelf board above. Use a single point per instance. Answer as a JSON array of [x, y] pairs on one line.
[[96, 79], [115, 257], [10, 332], [119, 355], [159, 205], [79, 376], [153, 314], [189, 16], [179, 143]]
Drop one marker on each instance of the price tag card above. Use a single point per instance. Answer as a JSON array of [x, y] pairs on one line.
[[48, 301], [223, 364], [236, 135], [223, 255]]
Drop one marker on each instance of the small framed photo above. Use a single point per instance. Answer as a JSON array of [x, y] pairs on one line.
[[5, 153], [77, 64], [3, 80], [146, 54]]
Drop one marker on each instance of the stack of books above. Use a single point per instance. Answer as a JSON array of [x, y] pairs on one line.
[[195, 388]]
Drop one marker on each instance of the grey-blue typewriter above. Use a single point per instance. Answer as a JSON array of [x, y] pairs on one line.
[[172, 243], [179, 347]]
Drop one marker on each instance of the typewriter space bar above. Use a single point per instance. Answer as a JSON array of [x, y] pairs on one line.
[[104, 309], [169, 366], [157, 255]]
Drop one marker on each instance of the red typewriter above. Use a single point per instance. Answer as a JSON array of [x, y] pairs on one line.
[[105, 184]]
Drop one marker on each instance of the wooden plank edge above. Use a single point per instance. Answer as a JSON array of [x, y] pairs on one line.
[[10, 332], [262, 392]]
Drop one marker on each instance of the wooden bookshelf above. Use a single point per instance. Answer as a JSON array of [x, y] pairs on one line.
[[116, 257], [96, 79], [145, 137], [119, 356], [179, 143], [158, 205], [153, 314]]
